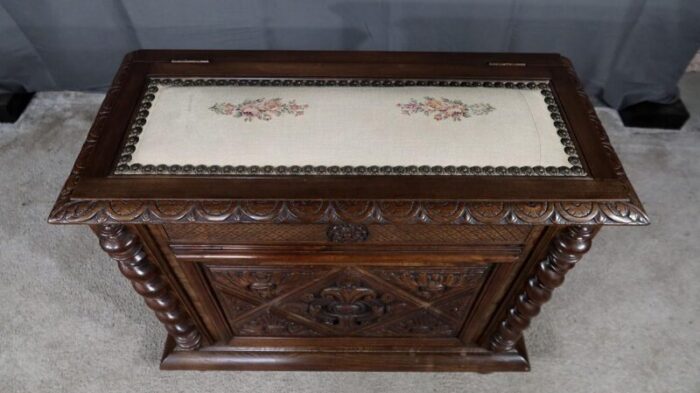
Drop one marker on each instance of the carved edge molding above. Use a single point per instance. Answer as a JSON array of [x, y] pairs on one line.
[[598, 128], [566, 249], [359, 212], [96, 130], [125, 248]]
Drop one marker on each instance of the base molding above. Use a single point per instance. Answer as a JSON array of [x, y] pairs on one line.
[[218, 357]]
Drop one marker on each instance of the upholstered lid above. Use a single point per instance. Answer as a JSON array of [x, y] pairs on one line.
[[220, 126], [319, 137]]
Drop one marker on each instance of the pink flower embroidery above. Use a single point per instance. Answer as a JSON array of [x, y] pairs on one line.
[[260, 108], [444, 108]]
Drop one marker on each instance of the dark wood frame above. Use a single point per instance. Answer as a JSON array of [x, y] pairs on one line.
[[130, 215], [604, 196]]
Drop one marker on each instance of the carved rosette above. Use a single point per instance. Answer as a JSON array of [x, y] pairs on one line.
[[567, 248], [125, 248]]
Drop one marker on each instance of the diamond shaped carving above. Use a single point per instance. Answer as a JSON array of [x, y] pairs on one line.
[[234, 306], [261, 284], [352, 301], [348, 301], [457, 306]]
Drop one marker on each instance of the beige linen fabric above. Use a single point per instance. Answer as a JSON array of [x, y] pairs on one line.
[[355, 126]]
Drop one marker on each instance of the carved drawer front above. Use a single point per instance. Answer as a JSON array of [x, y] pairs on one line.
[[346, 233], [335, 301]]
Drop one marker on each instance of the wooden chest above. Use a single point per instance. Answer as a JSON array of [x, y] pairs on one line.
[[346, 211]]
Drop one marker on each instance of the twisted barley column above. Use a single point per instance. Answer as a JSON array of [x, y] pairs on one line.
[[125, 247], [567, 248]]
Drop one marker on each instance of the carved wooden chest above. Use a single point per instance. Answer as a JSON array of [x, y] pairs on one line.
[[346, 211]]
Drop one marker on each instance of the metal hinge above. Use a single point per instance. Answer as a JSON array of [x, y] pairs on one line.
[[501, 64], [194, 61]]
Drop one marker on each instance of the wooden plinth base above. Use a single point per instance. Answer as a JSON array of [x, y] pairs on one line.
[[218, 357]]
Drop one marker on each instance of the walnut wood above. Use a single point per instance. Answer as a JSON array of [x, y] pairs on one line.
[[188, 279], [125, 248], [226, 358], [327, 354], [91, 195], [155, 251], [357, 301], [347, 233], [444, 212], [406, 277], [410, 273], [276, 57], [494, 290], [565, 251], [427, 255]]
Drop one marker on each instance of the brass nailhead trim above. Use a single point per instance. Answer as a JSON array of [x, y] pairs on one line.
[[125, 168]]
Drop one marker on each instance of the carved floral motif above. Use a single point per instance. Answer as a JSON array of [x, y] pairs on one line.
[[264, 284], [579, 209], [533, 209], [408, 302], [261, 108], [348, 305], [431, 284], [444, 108]]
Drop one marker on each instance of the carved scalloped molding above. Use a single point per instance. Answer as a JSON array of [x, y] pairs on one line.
[[365, 212]]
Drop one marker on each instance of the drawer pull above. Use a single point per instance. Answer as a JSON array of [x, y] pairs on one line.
[[347, 233]]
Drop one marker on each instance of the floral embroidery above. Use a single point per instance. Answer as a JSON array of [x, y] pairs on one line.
[[261, 108], [443, 108]]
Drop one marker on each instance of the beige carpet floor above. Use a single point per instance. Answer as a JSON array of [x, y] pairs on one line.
[[626, 320]]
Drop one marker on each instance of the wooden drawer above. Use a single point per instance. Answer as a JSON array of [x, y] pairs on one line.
[[347, 233]]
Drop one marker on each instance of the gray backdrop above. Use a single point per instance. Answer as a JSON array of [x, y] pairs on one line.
[[626, 51]]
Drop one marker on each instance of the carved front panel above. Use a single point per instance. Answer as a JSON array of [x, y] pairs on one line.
[[346, 301]]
